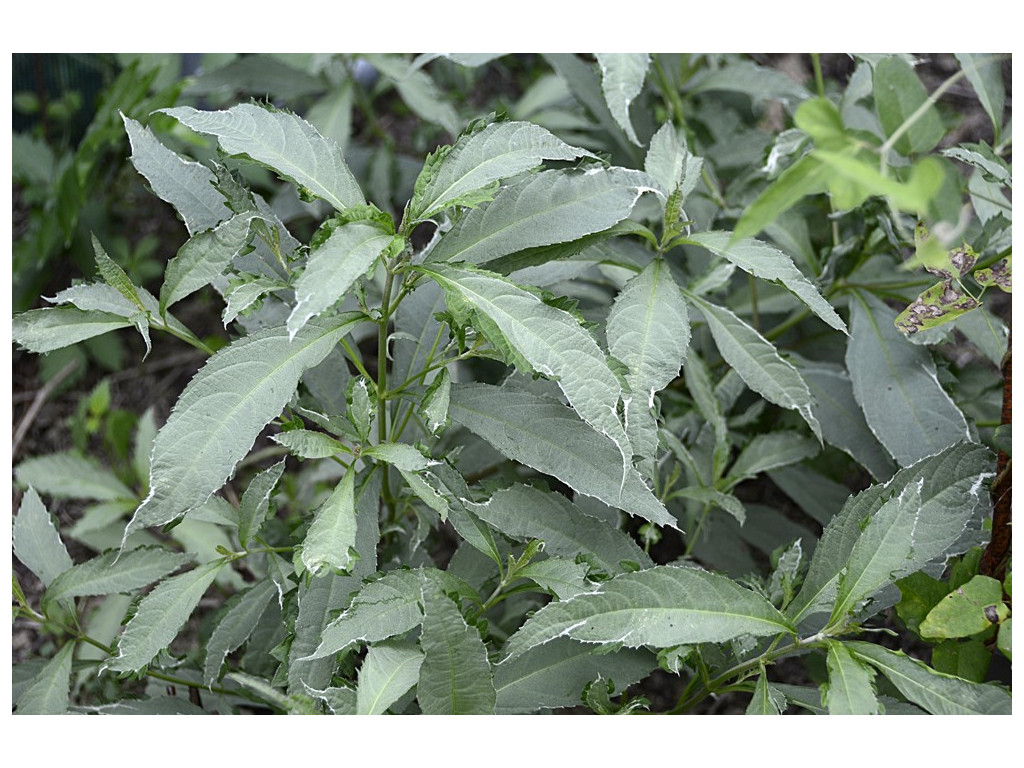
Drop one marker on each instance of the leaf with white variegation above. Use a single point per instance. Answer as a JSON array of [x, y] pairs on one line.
[[222, 411], [670, 163], [467, 172], [332, 535], [543, 434], [49, 693], [767, 699], [851, 683], [663, 606], [36, 541], [757, 362], [622, 79], [160, 616], [283, 142], [549, 207]]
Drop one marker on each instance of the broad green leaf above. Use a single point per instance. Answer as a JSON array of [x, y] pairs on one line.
[[185, 184], [333, 267], [767, 699], [669, 162], [308, 444], [205, 256], [842, 420], [545, 435], [50, 328], [50, 691], [554, 675], [550, 341], [851, 689], [937, 693], [771, 450], [235, 626], [455, 676], [332, 114], [967, 610], [758, 362], [899, 95], [947, 488], [283, 142], [160, 615], [820, 119], [758, 82], [549, 207], [113, 572], [222, 411], [481, 157], [383, 609], [36, 541], [622, 79], [1004, 640], [332, 535], [968, 659], [524, 512], [984, 72], [896, 385], [807, 176], [389, 670], [768, 263], [853, 179], [256, 502], [662, 607]]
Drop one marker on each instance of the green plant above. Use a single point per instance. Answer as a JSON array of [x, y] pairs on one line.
[[483, 485]]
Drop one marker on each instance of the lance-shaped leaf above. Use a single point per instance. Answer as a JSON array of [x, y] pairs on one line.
[[49, 693], [455, 676], [319, 600], [160, 615], [545, 435], [949, 496], [762, 260], [622, 79], [108, 574], [389, 670], [648, 329], [524, 512], [758, 362], [345, 256], [185, 184], [851, 683], [984, 73], [50, 328], [662, 607], [771, 450], [549, 207], [36, 541], [937, 693], [256, 502], [283, 142], [767, 699], [896, 385], [903, 103], [222, 411], [551, 342], [205, 256], [241, 615], [669, 162], [554, 675], [464, 174], [332, 535]]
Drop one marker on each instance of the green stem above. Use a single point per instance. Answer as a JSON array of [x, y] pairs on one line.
[[819, 79], [188, 338]]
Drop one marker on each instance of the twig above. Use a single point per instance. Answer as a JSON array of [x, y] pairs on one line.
[[37, 403]]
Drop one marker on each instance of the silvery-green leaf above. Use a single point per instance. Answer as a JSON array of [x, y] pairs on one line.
[[524, 512], [771, 450], [256, 502], [622, 79], [308, 444], [283, 142], [240, 296], [851, 683], [415, 317], [477, 159], [50, 328], [747, 77], [49, 693], [389, 670], [332, 535], [562, 576], [767, 699], [662, 606], [758, 362], [113, 572], [185, 184], [333, 267], [550, 340], [937, 693], [106, 298], [67, 475], [896, 385], [768, 263], [36, 541], [160, 615], [165, 705], [405, 457], [549, 207], [455, 675], [545, 435], [433, 407], [554, 675], [145, 433], [222, 411], [670, 163], [319, 598], [418, 91], [948, 498], [984, 72], [240, 618]]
